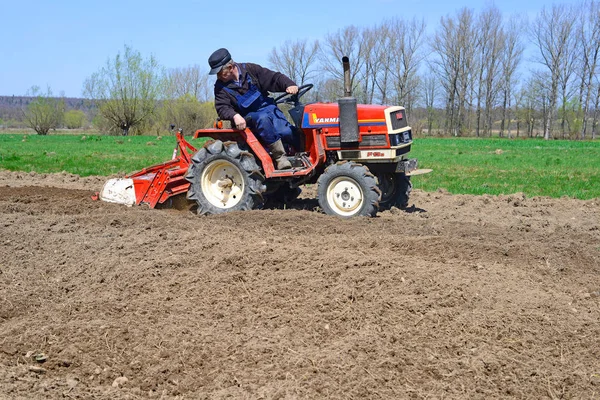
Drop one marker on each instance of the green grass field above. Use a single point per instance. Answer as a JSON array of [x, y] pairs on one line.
[[460, 166], [83, 155], [501, 166]]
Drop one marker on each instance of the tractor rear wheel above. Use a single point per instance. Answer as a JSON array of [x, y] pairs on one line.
[[224, 178], [395, 190], [348, 189]]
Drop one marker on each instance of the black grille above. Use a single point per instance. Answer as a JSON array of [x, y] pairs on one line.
[[374, 140], [398, 119], [402, 150], [367, 140], [333, 141]]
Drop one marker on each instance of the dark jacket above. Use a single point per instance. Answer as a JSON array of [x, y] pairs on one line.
[[263, 78]]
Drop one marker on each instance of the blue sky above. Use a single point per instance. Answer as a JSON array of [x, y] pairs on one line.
[[61, 43]]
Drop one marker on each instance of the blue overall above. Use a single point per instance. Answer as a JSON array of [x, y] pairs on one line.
[[266, 120]]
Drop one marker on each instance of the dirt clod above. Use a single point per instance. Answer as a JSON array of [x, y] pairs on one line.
[[120, 381]]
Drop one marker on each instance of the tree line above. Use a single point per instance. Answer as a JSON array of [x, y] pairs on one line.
[[472, 75], [478, 73]]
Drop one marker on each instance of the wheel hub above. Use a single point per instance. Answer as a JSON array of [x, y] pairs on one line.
[[222, 184], [345, 195], [226, 183]]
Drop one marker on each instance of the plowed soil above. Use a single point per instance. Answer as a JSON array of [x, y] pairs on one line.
[[458, 297]]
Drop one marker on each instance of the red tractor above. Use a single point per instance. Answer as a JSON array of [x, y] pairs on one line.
[[356, 154]]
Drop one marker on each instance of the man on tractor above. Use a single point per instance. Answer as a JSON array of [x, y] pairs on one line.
[[241, 96]]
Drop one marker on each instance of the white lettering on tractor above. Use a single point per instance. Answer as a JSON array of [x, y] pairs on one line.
[[326, 120]]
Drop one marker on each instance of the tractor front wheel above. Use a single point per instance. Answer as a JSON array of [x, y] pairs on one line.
[[348, 189], [224, 178]]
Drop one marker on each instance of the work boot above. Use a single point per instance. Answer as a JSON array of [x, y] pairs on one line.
[[278, 155]]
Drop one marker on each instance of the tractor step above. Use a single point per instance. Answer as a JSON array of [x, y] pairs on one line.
[[296, 161], [300, 162]]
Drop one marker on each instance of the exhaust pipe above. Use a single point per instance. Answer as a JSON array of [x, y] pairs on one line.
[[349, 133], [347, 86]]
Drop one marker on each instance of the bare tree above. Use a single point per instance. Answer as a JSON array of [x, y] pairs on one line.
[[589, 35], [510, 59], [430, 96], [489, 42], [406, 41], [519, 97], [381, 65], [445, 65], [126, 89], [374, 41], [552, 33], [345, 42], [296, 60], [453, 47], [540, 87], [596, 115], [567, 75], [192, 81]]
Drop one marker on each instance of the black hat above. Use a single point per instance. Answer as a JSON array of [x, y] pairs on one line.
[[218, 60]]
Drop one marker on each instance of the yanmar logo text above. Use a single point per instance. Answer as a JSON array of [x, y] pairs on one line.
[[317, 120]]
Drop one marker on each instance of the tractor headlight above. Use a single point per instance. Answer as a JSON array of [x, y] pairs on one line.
[[396, 139]]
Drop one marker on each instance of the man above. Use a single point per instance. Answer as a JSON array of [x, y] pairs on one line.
[[241, 91]]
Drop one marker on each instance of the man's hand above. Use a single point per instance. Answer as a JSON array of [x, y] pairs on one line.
[[239, 121], [291, 89]]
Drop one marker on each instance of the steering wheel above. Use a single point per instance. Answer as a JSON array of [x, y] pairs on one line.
[[293, 98]]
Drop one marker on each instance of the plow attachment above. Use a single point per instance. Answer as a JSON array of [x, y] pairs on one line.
[[118, 190], [152, 185]]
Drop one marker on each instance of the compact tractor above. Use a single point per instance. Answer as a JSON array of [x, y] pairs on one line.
[[356, 154]]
